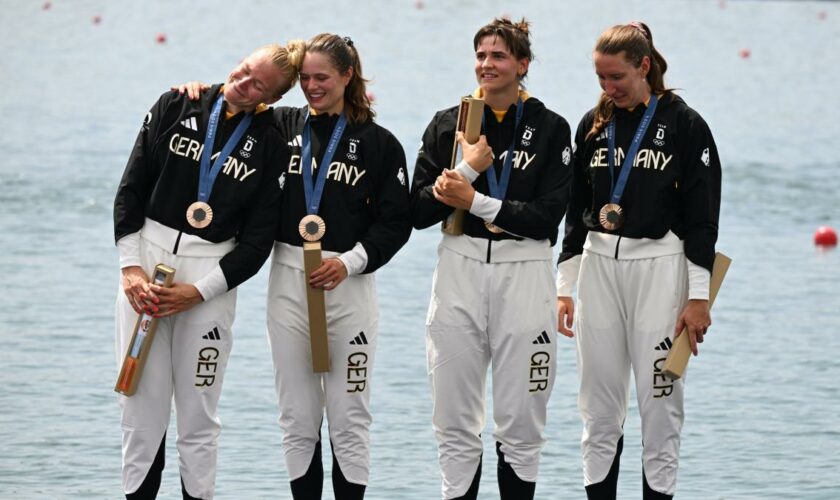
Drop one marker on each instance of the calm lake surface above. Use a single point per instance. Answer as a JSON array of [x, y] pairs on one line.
[[762, 399]]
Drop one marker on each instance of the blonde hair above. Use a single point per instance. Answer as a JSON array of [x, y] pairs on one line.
[[288, 59], [636, 42]]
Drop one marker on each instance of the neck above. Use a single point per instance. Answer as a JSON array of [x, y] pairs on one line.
[[643, 97], [335, 109], [501, 99]]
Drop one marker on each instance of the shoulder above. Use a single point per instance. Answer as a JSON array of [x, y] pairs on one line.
[[687, 118]]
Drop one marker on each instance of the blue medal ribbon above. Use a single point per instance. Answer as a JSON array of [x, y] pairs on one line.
[[617, 187], [207, 174], [498, 188], [314, 192]]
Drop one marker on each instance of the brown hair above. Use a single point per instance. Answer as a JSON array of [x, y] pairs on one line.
[[343, 56], [289, 59], [515, 35], [636, 41]]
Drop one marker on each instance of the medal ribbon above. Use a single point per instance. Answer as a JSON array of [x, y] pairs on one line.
[[618, 186], [207, 174], [499, 188], [314, 192]]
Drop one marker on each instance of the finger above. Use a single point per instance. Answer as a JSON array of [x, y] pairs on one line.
[[459, 137], [679, 327], [692, 339]]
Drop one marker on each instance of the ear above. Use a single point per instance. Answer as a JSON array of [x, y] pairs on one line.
[[645, 66], [523, 67], [347, 76]]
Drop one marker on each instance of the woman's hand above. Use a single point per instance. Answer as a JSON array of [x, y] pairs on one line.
[[175, 299], [193, 89], [697, 319], [135, 283], [331, 273], [453, 190], [565, 316], [479, 155]]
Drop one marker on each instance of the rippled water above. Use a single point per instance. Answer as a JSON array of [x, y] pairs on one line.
[[762, 404]]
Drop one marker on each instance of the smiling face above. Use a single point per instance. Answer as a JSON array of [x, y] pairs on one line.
[[322, 84], [256, 80], [496, 69], [624, 83]]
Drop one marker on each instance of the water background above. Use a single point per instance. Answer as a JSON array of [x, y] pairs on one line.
[[762, 399]]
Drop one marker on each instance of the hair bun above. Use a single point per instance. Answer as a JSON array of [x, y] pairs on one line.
[[348, 41]]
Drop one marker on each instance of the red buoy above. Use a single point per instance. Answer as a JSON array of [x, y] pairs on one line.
[[97, 19], [46, 5], [825, 237], [160, 38], [419, 4], [822, 15], [371, 96], [745, 53]]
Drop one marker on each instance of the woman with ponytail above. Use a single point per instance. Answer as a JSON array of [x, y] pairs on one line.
[[640, 235], [492, 295], [176, 205], [361, 218]]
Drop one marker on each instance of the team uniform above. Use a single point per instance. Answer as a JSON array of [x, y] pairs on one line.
[[191, 349], [635, 281], [366, 211], [493, 297]]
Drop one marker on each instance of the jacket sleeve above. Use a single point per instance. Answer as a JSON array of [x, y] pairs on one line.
[[700, 185], [392, 215], [140, 174], [259, 224], [538, 218], [425, 209], [580, 198]]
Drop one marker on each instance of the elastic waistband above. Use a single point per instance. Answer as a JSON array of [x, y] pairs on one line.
[[623, 248], [188, 246], [499, 251], [292, 256]]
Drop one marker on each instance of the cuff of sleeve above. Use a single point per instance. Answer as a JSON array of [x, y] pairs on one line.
[[698, 282], [485, 207], [466, 171], [213, 284], [567, 276], [129, 249], [355, 260]]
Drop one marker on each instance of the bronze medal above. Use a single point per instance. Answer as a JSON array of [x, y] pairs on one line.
[[493, 228], [312, 228], [611, 216], [199, 215]]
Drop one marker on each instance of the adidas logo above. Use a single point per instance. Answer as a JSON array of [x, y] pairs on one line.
[[542, 339], [212, 335], [664, 345], [190, 123], [360, 339]]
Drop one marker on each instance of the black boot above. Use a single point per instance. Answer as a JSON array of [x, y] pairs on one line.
[[344, 489], [310, 485], [606, 489], [649, 494], [148, 490], [184, 494], [511, 487], [472, 493]]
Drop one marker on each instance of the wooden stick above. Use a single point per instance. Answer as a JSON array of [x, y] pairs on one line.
[[469, 122], [317, 309], [678, 356], [141, 340]]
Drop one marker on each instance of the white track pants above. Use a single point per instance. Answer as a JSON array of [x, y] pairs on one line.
[[187, 360], [344, 391], [481, 314], [626, 310]]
